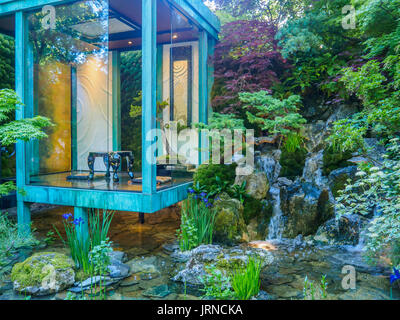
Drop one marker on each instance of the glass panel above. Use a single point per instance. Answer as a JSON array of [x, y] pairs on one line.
[[178, 97], [72, 86]]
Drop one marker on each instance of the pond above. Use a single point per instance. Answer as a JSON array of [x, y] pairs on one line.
[[149, 244]]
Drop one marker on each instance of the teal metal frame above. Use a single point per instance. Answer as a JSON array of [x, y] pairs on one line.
[[150, 200]]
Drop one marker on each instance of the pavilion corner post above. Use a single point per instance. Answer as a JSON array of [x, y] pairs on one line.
[[149, 92], [24, 92], [203, 94], [82, 228]]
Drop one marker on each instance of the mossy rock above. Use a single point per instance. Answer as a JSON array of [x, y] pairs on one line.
[[229, 223], [43, 274], [292, 163], [252, 209], [334, 160], [206, 173], [339, 178]]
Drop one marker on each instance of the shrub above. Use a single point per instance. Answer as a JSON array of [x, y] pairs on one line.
[[206, 174], [273, 116], [377, 189]]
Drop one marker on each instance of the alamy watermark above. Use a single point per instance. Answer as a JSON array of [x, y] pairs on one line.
[[349, 19], [349, 278]]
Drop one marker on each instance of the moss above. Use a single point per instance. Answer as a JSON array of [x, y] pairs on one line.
[[252, 209], [230, 265], [32, 271], [334, 160], [206, 173], [293, 162]]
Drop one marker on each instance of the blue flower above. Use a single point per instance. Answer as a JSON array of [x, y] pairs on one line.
[[208, 205], [190, 190], [78, 222], [203, 194], [394, 277], [66, 216], [205, 200]]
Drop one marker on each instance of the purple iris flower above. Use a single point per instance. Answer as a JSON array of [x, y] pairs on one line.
[[78, 221], [191, 190], [205, 200], [203, 194], [394, 277], [66, 216]]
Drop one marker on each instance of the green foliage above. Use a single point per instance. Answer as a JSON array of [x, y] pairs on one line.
[[7, 62], [294, 141], [367, 82], [216, 285], [252, 208], [219, 124], [198, 219], [187, 234], [239, 191], [292, 162], [276, 117], [12, 131], [310, 289], [246, 281], [333, 160], [347, 136], [11, 239], [99, 226], [206, 174], [377, 188], [100, 258], [79, 246], [131, 86]]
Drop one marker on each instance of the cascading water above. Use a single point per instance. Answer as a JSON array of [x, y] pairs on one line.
[[277, 223], [270, 166]]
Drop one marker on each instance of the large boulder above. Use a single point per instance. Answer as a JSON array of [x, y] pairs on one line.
[[305, 208], [225, 260], [43, 274], [346, 230], [229, 223], [257, 185]]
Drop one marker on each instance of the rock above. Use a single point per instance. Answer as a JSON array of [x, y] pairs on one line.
[[6, 286], [257, 184], [43, 274], [131, 281], [143, 265], [282, 181], [315, 134], [312, 172], [157, 292], [118, 270], [229, 223], [262, 295], [118, 256], [346, 231], [338, 178], [305, 208], [224, 259]]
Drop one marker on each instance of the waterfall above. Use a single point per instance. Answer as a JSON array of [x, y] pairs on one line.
[[277, 223], [270, 165]]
